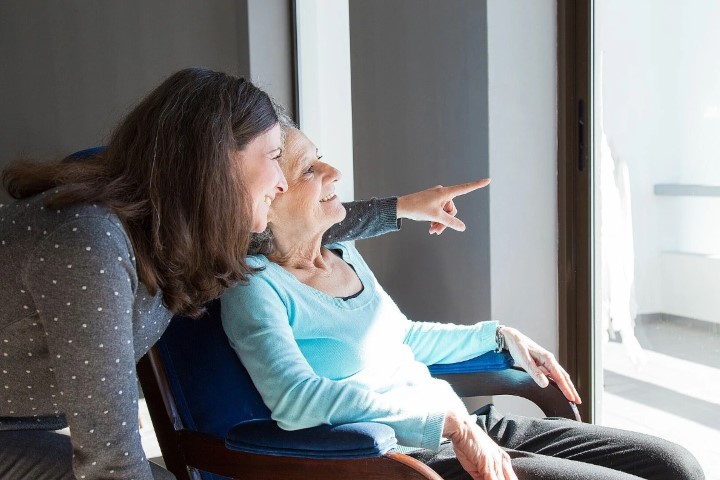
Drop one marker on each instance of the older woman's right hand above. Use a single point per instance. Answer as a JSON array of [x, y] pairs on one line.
[[538, 362], [482, 458], [436, 205]]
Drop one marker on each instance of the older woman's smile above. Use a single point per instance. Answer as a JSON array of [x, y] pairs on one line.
[[332, 196]]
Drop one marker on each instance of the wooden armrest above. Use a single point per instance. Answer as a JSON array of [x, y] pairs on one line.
[[206, 452], [513, 381]]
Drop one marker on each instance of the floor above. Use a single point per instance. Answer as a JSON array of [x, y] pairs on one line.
[[674, 393], [147, 435]]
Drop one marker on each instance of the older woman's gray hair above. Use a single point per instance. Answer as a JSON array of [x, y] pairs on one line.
[[261, 243]]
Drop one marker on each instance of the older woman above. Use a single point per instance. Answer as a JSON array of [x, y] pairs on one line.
[[325, 344]]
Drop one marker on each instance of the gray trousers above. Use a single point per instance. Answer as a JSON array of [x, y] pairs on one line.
[[557, 448], [44, 455]]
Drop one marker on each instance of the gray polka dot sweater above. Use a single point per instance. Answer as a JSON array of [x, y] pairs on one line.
[[75, 320]]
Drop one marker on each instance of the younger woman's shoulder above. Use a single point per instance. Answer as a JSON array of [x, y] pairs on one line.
[[31, 221], [94, 223], [36, 209]]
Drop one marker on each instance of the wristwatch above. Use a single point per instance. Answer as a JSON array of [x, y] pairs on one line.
[[499, 339]]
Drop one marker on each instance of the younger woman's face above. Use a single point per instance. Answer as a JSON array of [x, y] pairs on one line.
[[260, 169]]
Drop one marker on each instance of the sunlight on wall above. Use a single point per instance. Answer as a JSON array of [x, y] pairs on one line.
[[323, 42]]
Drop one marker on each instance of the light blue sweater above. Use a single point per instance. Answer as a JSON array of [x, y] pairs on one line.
[[317, 359]]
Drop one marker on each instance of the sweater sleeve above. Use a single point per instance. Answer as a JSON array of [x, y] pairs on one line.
[[83, 283], [448, 343], [257, 324], [365, 219]]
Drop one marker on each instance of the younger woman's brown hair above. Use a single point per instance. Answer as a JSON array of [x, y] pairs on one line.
[[169, 175]]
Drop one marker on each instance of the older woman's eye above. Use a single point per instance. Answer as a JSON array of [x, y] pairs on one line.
[[309, 170]]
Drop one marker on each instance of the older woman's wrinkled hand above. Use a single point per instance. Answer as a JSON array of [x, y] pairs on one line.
[[538, 362], [482, 458], [436, 205]]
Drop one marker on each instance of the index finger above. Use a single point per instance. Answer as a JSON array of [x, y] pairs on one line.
[[464, 188], [562, 379]]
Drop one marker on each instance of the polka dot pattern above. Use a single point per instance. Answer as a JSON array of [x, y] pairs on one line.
[[365, 219], [75, 323]]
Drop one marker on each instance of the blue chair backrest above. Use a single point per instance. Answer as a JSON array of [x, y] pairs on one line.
[[212, 389], [84, 154]]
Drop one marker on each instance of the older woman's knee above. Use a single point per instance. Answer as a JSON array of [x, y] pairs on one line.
[[676, 462]]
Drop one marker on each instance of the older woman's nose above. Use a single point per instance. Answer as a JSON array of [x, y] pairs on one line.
[[335, 174]]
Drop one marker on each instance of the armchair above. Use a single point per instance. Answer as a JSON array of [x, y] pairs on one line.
[[211, 422]]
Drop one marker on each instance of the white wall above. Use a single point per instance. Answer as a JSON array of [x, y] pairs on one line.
[[324, 84], [522, 69]]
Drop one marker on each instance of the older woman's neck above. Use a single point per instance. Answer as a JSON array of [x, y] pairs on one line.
[[293, 252]]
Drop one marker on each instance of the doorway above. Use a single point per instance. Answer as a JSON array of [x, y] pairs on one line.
[[655, 229]]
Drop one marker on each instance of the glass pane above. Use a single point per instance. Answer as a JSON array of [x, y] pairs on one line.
[[657, 220]]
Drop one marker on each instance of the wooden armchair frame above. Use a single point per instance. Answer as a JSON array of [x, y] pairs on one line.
[[187, 452]]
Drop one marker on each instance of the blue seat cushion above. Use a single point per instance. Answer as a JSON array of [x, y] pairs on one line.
[[353, 440], [488, 362]]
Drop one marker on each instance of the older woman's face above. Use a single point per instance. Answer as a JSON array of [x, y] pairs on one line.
[[310, 203], [261, 173]]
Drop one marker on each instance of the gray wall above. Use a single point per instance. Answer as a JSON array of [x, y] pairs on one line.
[[72, 69], [420, 117]]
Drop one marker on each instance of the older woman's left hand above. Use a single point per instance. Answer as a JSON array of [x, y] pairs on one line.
[[538, 362]]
